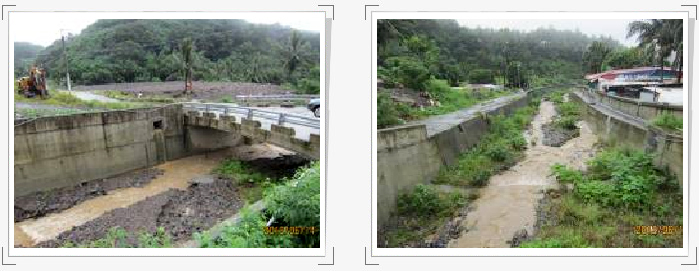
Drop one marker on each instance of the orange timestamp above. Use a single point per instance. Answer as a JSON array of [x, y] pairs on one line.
[[657, 230], [289, 230]]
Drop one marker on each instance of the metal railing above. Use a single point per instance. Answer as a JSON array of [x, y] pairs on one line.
[[253, 114], [277, 97]]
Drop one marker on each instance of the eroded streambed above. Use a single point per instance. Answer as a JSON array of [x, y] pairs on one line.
[[183, 197], [507, 205]]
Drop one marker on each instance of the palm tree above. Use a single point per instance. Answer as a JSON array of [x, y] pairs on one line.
[[294, 53], [663, 36], [187, 48]]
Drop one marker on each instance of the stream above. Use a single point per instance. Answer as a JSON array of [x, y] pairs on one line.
[[508, 203], [177, 174]]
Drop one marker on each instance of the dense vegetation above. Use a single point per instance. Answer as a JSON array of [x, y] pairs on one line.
[[25, 55], [499, 149], [294, 203], [411, 51], [115, 51], [421, 212], [669, 122], [620, 190]]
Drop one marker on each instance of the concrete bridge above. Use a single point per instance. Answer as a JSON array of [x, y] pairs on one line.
[[60, 151], [251, 130]]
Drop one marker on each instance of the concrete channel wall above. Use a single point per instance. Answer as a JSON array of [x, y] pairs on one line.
[[407, 156], [643, 110], [60, 151], [618, 128]]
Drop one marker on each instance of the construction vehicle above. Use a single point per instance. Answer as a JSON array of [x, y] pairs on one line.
[[34, 84]]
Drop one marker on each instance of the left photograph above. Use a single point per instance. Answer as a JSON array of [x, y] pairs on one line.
[[158, 132]]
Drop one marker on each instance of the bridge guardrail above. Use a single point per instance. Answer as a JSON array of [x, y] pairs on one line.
[[287, 97], [253, 113]]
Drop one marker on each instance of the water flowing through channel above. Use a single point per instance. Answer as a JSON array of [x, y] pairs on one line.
[[177, 174], [508, 204]]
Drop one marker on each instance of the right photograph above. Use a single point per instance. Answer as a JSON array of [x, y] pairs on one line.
[[529, 133]]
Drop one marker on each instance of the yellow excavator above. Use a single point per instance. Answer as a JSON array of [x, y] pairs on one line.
[[34, 84]]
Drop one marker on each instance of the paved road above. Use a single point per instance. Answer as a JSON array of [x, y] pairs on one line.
[[438, 124]]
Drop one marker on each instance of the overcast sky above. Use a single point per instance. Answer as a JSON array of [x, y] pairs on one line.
[[47, 29], [614, 28]]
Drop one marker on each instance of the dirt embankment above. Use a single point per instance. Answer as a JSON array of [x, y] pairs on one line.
[[202, 90], [39, 204], [180, 213]]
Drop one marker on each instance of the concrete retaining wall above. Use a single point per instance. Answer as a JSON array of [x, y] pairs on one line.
[[406, 156], [54, 152], [619, 130], [644, 110]]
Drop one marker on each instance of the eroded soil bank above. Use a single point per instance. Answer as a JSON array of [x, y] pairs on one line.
[[507, 206]]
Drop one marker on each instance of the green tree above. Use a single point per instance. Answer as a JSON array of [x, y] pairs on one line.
[[481, 76], [595, 55]]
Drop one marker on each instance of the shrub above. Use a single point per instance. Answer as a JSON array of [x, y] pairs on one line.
[[426, 201], [668, 121], [438, 87], [240, 172], [297, 202], [565, 175], [386, 113], [498, 151], [566, 122], [247, 233], [422, 200], [309, 86], [409, 71], [621, 179]]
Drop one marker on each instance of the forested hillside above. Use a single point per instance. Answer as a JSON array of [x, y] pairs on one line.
[[114, 51], [25, 54], [411, 51]]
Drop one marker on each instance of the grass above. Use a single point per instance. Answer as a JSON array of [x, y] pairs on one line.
[[66, 99], [38, 112], [668, 121], [421, 212], [501, 147], [621, 190], [119, 238]]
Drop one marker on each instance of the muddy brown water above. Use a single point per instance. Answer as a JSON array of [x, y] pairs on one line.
[[508, 204], [177, 175]]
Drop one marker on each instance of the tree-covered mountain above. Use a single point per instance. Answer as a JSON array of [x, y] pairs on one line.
[[25, 54], [150, 50], [410, 50]]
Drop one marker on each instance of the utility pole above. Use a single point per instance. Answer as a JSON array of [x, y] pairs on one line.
[[65, 59]]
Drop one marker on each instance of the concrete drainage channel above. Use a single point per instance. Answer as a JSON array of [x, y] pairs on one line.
[[145, 200], [79, 176]]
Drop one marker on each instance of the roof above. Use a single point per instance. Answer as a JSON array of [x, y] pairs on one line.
[[633, 73]]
